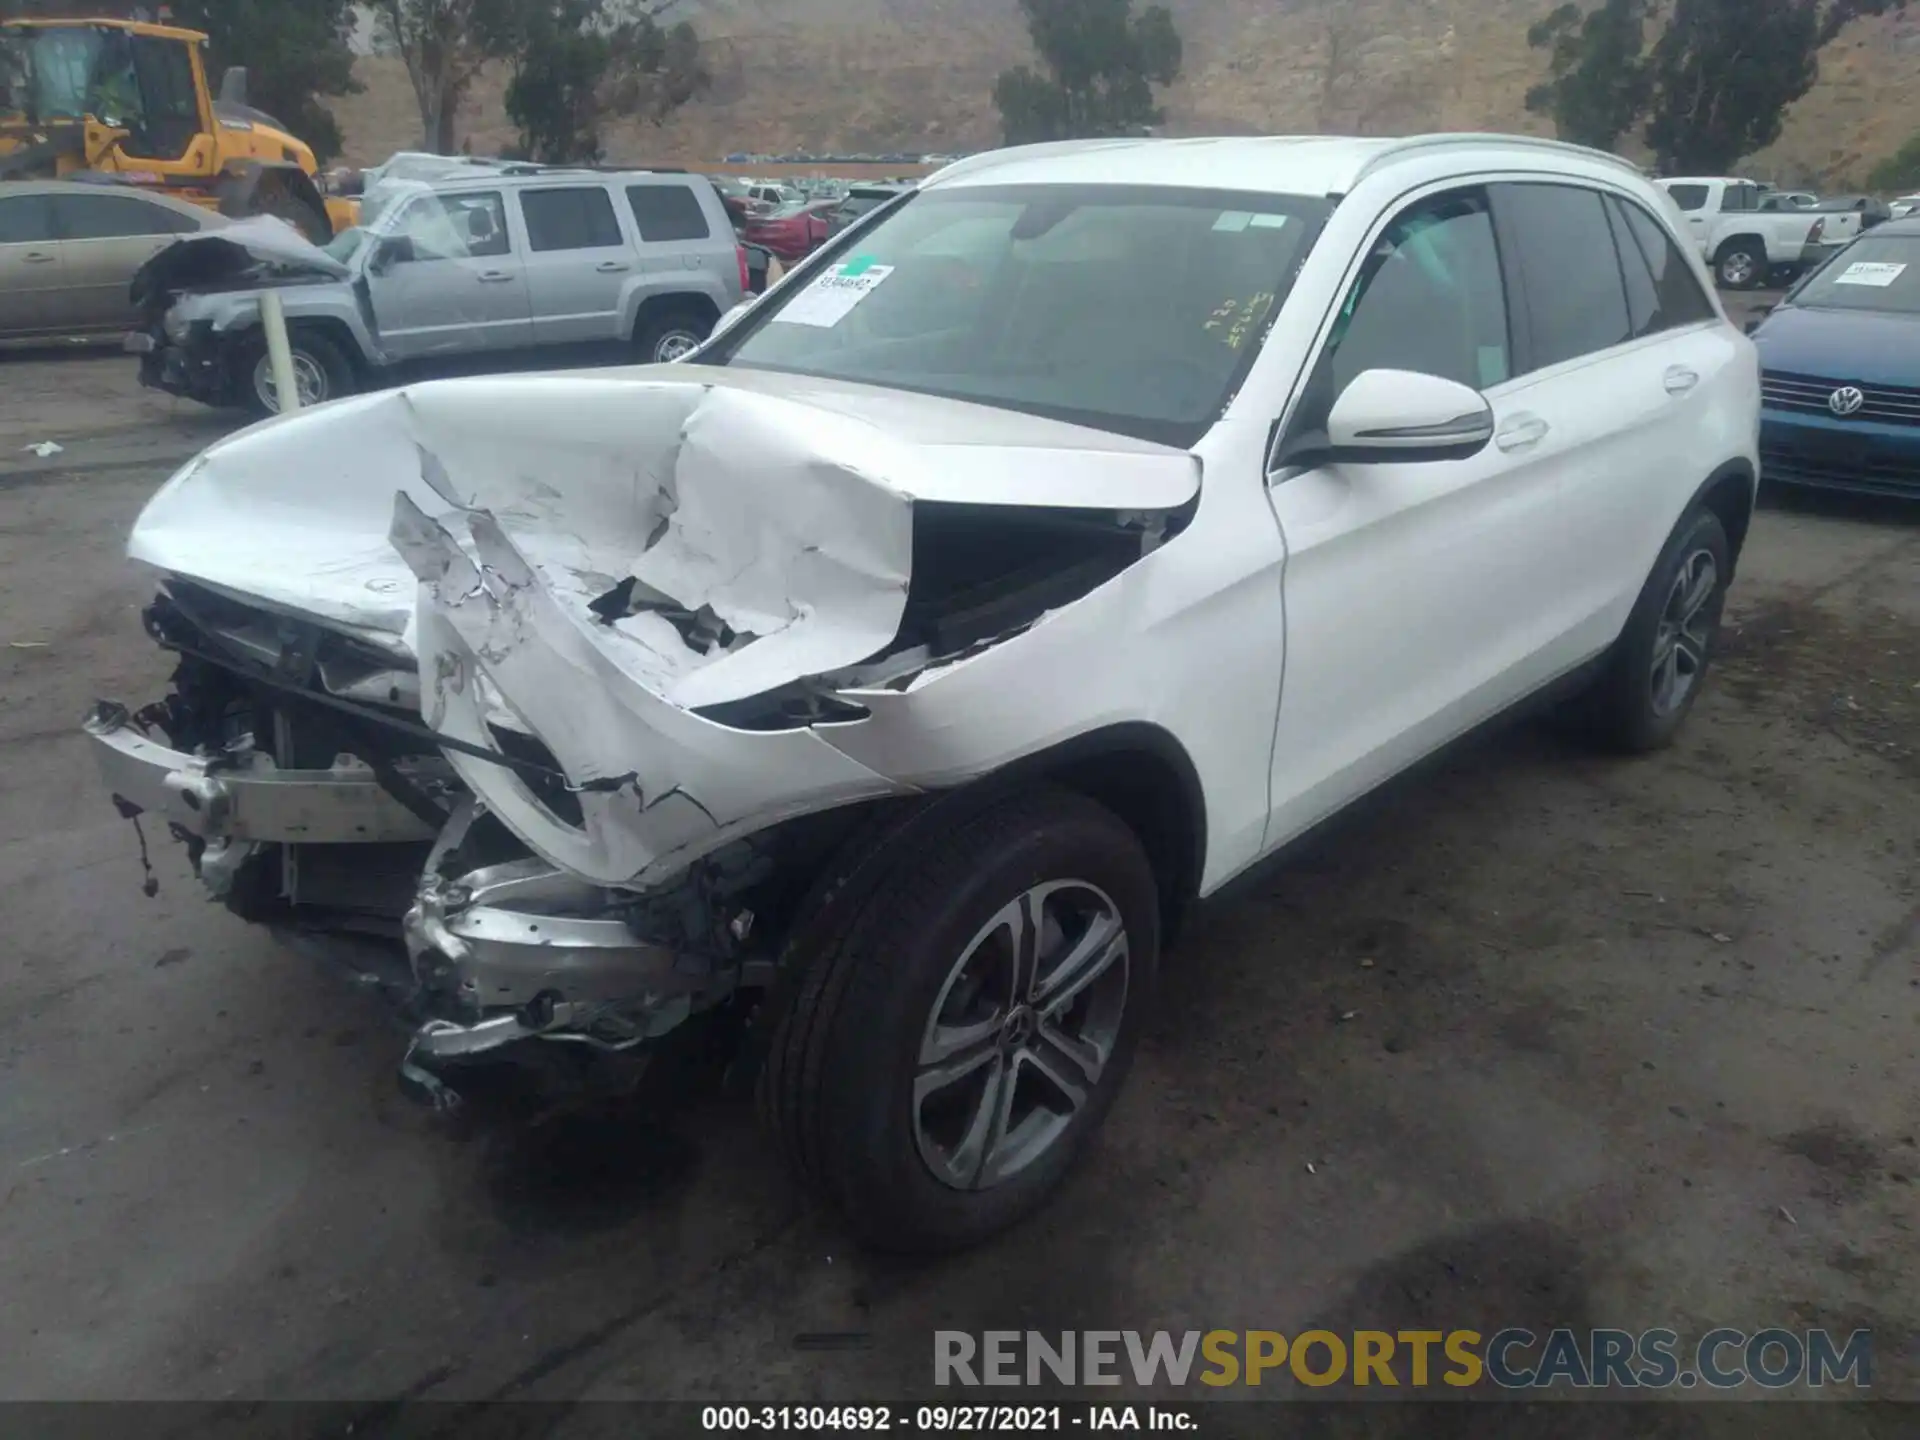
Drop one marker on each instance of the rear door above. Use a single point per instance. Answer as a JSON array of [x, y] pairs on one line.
[[579, 263], [103, 240], [30, 267], [462, 287], [1619, 350]]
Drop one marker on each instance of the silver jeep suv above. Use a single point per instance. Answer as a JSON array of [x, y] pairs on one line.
[[488, 270]]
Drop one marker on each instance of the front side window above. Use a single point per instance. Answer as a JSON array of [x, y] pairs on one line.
[[1576, 297], [1878, 272], [1128, 308], [1689, 197], [454, 227], [574, 219], [106, 217], [1429, 299]]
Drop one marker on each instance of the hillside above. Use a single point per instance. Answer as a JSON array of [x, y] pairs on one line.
[[917, 75]]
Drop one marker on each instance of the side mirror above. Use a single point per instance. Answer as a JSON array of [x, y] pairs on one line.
[[233, 85], [1403, 417], [389, 251]]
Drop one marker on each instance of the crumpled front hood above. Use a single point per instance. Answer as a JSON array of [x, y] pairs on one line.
[[227, 253], [773, 506]]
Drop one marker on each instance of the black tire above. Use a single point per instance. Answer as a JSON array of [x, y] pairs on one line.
[[1621, 711], [310, 347], [837, 1089], [682, 327], [1741, 264]]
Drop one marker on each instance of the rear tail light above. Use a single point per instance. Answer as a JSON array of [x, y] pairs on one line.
[[746, 276], [1819, 229]]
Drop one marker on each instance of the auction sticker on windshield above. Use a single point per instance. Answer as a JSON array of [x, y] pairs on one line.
[[1867, 272], [831, 298]]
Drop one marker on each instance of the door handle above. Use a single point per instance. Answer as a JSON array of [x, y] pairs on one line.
[[608, 267], [493, 277], [1522, 432], [1679, 380], [37, 257]]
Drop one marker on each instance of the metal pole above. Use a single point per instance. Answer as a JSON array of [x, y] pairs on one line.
[[273, 320]]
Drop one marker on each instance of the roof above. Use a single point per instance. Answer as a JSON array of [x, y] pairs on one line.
[[1282, 164], [99, 187], [136, 27]]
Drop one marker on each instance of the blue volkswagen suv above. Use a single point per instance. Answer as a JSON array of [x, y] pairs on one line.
[[1840, 362]]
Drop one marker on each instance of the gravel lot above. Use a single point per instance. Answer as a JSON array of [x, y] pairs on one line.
[[1537, 1039]]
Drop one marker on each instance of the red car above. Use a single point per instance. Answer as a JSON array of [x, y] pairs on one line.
[[792, 233]]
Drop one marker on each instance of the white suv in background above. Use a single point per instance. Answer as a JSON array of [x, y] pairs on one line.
[[1055, 544]]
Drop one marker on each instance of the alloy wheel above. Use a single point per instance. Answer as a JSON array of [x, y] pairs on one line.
[[1020, 1034], [308, 378], [675, 345], [1685, 631]]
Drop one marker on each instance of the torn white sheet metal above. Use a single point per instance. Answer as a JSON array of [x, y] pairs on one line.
[[786, 504]]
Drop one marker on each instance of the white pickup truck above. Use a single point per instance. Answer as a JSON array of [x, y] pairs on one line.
[[1745, 244]]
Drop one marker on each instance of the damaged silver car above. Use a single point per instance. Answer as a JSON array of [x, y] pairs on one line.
[[484, 268], [895, 672]]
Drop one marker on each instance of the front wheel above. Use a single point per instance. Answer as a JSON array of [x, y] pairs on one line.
[[1741, 266], [1659, 663], [954, 1047], [320, 371]]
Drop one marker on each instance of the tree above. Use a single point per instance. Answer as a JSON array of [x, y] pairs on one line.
[[1715, 86], [443, 44], [1725, 71], [575, 62], [1101, 62], [1900, 170], [294, 51], [1598, 84]]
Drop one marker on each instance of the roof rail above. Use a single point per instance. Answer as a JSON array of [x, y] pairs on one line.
[[1414, 143], [1042, 150]]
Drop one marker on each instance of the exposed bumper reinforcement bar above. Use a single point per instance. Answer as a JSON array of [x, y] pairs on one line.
[[250, 799]]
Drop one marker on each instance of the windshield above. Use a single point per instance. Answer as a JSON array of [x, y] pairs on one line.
[[1880, 272], [1127, 308]]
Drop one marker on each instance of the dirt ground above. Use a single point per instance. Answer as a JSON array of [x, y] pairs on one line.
[[1635, 1047]]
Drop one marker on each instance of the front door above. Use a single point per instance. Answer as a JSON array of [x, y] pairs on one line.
[[30, 270], [1413, 591], [459, 284]]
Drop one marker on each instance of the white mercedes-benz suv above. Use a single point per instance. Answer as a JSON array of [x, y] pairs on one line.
[[1069, 535]]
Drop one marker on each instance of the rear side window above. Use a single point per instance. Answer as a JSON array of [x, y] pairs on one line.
[[1657, 273], [1576, 298], [667, 212], [26, 220], [1689, 197], [107, 217], [578, 219]]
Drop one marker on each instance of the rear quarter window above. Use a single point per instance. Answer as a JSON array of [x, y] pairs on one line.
[[1689, 197], [667, 212]]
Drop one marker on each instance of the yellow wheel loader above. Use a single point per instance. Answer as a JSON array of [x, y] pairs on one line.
[[127, 102]]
